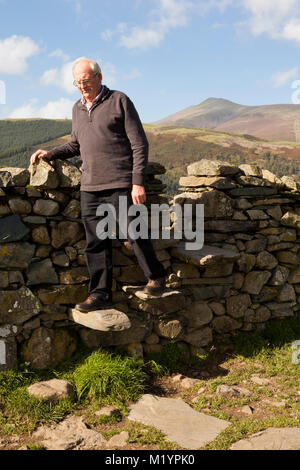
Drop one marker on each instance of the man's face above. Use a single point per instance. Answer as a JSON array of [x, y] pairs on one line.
[[88, 83]]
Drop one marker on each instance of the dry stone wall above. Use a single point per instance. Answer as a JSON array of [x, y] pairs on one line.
[[246, 273]]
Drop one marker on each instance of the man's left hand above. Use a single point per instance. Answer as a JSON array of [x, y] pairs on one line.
[[138, 194]]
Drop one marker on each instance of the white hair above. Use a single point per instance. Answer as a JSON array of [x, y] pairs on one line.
[[95, 67]]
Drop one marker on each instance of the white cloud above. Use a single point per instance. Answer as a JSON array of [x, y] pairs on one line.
[[60, 109], [108, 34], [60, 54], [291, 30], [168, 15], [282, 78], [142, 38], [14, 53], [60, 77], [277, 18]]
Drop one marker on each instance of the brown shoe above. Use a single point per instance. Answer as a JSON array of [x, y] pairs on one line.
[[93, 303], [155, 286]]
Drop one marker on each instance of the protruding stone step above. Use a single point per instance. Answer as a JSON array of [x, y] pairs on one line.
[[207, 256], [101, 320], [169, 301]]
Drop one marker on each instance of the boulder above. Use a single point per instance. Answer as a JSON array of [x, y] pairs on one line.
[[237, 305], [46, 347], [19, 206], [66, 233], [171, 327], [216, 203], [41, 272], [212, 168], [45, 207], [10, 177], [198, 314], [12, 229], [225, 324], [18, 306], [68, 174], [43, 175], [52, 390], [291, 219], [70, 434], [255, 280]]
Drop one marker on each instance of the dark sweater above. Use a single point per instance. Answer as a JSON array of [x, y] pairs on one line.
[[111, 141]]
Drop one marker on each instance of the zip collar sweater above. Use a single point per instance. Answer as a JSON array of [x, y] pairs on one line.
[[111, 141]]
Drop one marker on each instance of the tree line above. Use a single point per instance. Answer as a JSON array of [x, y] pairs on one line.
[[17, 138]]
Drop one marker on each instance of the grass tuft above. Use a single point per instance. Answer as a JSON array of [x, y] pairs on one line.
[[112, 378]]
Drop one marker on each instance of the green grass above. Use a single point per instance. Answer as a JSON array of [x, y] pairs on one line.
[[98, 377], [103, 377], [111, 378]]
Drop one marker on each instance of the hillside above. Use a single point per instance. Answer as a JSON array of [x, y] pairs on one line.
[[271, 122], [173, 146], [18, 136], [177, 147]]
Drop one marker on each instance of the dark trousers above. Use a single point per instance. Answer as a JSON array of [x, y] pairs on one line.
[[98, 253]]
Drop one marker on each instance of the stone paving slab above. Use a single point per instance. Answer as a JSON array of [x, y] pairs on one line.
[[182, 424], [271, 439], [101, 320]]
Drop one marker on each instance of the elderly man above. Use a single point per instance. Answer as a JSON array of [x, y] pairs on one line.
[[108, 134]]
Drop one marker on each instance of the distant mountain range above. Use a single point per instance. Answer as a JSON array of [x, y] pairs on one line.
[[276, 122]]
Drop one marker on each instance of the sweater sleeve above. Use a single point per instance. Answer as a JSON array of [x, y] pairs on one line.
[[138, 141], [71, 148]]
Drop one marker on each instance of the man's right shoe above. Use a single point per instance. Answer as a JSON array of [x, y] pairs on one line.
[[93, 303], [155, 286]]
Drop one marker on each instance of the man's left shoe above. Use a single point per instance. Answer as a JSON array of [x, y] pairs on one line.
[[155, 286]]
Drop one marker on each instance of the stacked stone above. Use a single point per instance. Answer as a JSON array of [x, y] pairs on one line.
[[154, 186], [248, 270], [43, 272], [246, 273], [42, 266]]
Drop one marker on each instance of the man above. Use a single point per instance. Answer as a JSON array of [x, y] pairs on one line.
[[108, 134]]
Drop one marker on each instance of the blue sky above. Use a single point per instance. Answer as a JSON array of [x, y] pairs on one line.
[[165, 55]]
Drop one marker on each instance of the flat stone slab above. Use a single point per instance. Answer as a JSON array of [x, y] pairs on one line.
[[181, 423], [206, 256], [271, 439], [101, 320]]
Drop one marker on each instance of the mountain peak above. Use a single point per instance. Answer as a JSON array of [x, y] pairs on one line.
[[273, 122]]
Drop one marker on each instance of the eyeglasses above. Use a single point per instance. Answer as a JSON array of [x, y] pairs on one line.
[[80, 83]]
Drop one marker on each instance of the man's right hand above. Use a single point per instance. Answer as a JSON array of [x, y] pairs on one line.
[[40, 154]]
